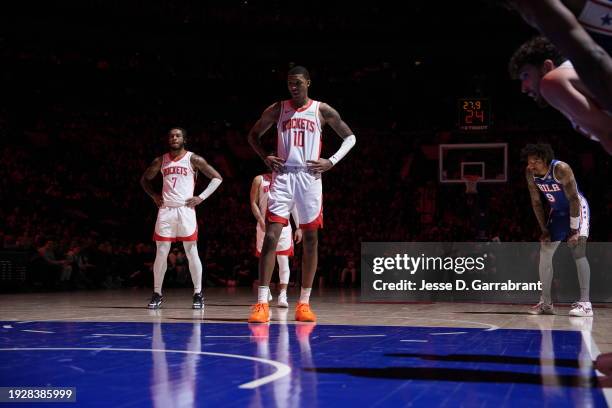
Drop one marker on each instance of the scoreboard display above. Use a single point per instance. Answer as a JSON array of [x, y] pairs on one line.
[[474, 114]]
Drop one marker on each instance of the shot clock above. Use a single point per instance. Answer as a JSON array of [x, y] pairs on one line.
[[474, 114]]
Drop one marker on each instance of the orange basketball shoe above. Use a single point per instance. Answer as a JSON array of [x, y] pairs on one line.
[[260, 313], [304, 314]]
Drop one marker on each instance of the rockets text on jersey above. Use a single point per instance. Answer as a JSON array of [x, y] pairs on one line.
[[179, 179], [299, 133]]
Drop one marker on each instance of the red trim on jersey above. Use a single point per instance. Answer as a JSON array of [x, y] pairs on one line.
[[177, 158], [314, 224], [192, 237], [270, 216], [303, 108], [279, 127], [594, 27], [601, 3], [287, 252], [157, 237]]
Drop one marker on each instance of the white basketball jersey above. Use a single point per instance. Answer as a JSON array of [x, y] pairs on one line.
[[179, 179], [264, 189], [299, 133]]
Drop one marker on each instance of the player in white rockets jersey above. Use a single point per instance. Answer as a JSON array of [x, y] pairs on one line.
[[176, 218], [296, 181], [260, 188]]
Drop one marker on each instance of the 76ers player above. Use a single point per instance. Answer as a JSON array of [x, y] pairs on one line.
[[582, 31], [568, 219], [296, 181], [260, 189], [550, 79], [176, 219]]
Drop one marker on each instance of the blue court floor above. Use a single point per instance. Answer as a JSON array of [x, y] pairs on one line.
[[298, 365]]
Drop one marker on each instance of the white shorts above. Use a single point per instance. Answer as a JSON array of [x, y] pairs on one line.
[[285, 241], [301, 189], [176, 224]]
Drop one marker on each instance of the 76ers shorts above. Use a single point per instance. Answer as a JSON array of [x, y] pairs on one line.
[[176, 224], [559, 223], [285, 241], [302, 189]]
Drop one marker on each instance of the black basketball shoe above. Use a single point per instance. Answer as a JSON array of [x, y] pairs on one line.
[[198, 301], [156, 301]]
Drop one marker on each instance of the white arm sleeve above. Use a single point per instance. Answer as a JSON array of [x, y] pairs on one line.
[[347, 145], [212, 186]]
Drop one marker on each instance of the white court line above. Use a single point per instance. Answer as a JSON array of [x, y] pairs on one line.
[[7, 326], [282, 370], [594, 351], [118, 335], [38, 331], [416, 341], [361, 335], [491, 327], [441, 334], [217, 337]]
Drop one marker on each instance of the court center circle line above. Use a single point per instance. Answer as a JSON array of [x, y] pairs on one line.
[[282, 370]]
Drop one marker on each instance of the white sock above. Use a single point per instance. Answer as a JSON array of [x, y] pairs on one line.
[[195, 265], [262, 294], [160, 265], [305, 295]]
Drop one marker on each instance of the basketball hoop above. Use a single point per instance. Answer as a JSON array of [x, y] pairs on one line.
[[471, 182]]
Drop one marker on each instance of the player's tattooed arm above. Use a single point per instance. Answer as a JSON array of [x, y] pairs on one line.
[[209, 171], [536, 204], [202, 165], [330, 116], [265, 122], [564, 173], [148, 176]]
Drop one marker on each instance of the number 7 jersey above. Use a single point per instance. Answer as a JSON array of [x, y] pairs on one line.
[[179, 179], [299, 135]]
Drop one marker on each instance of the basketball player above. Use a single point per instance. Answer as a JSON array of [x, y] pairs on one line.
[[568, 219], [259, 204], [550, 79], [296, 180], [582, 31], [176, 219]]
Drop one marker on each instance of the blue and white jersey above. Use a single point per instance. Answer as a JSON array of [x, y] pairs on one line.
[[559, 218], [552, 190], [596, 18]]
